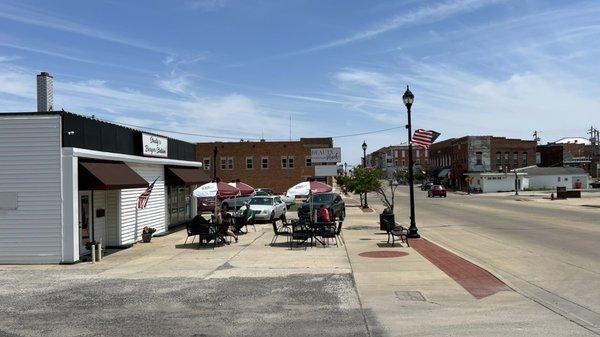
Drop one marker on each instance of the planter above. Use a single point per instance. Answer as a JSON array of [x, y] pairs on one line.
[[387, 221], [146, 237]]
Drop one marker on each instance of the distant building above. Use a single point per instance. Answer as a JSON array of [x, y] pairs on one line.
[[455, 158], [570, 152], [264, 164], [552, 177], [394, 157]]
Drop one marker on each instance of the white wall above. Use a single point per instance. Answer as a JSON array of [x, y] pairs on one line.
[[153, 215], [30, 165], [551, 182], [112, 218]]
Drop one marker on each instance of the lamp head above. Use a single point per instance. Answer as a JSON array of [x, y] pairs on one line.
[[408, 97]]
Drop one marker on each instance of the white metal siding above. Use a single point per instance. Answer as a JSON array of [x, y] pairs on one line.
[[153, 215], [112, 218], [30, 164]]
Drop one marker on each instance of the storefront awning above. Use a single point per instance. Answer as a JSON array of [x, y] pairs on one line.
[[185, 176], [108, 176]]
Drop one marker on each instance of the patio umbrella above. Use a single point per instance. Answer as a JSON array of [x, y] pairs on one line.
[[309, 187], [216, 190], [245, 189]]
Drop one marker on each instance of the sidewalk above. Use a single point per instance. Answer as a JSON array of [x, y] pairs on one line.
[[410, 296]]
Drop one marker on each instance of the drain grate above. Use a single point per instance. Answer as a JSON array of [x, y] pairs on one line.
[[365, 239], [409, 296]]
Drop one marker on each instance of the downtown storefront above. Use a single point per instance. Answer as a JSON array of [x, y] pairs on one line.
[[66, 180]]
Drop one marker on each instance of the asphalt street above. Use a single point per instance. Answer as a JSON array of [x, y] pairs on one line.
[[547, 250]]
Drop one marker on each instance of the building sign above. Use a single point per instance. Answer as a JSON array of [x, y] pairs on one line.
[[154, 146], [326, 170], [328, 155]]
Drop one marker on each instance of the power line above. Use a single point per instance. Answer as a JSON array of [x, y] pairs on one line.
[[238, 138]]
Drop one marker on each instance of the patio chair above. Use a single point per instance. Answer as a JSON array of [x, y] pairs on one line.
[[250, 222], [191, 231], [300, 233], [207, 234], [329, 231], [280, 231], [399, 232]]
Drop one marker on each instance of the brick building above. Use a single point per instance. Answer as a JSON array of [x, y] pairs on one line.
[[454, 157], [394, 157], [275, 165], [566, 154]]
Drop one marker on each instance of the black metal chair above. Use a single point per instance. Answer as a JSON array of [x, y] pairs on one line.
[[300, 233], [280, 231], [191, 231], [329, 231], [208, 233], [399, 232]]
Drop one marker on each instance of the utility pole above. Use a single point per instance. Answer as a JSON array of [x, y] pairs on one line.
[[536, 137], [595, 143]]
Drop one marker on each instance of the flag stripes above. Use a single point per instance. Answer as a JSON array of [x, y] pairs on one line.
[[142, 200], [424, 138]]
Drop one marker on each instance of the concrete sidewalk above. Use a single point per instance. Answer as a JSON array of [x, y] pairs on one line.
[[410, 296]]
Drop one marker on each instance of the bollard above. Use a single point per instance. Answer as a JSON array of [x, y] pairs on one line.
[[93, 250], [99, 255], [551, 196]]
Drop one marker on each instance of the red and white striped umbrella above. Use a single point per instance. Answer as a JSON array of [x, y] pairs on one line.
[[308, 187], [216, 189]]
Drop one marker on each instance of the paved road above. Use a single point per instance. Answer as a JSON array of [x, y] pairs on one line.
[[547, 251]]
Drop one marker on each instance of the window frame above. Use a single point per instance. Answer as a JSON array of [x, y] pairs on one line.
[[204, 165], [251, 162], [264, 162]]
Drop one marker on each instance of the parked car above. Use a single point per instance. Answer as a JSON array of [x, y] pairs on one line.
[[289, 200], [267, 207], [426, 186], [263, 191], [234, 203], [333, 201], [206, 204], [437, 191]]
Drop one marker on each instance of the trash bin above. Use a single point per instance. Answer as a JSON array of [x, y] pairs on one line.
[[387, 221]]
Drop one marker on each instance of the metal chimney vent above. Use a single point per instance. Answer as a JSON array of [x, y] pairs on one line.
[[45, 91]]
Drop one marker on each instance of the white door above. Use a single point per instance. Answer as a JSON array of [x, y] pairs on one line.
[[85, 220]]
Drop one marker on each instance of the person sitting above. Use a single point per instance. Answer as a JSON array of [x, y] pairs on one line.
[[224, 221], [324, 214]]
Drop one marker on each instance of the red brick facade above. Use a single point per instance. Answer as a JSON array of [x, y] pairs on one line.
[[274, 165]]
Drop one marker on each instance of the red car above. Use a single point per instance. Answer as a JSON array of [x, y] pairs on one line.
[[437, 191], [206, 204]]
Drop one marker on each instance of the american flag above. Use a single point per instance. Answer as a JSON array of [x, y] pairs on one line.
[[424, 138], [142, 200]]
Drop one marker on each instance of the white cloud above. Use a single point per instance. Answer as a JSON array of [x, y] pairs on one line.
[[423, 15], [32, 16]]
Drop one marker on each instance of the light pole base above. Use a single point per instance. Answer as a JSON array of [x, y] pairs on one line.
[[413, 235]]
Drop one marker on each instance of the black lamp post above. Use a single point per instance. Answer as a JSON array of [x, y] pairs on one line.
[[345, 168], [516, 182], [364, 147], [413, 231]]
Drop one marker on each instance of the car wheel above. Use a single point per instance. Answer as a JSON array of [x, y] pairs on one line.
[[272, 215], [343, 215]]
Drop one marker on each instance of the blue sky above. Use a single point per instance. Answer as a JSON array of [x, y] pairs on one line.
[[240, 68]]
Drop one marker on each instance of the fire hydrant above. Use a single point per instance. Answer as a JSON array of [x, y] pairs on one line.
[[551, 196]]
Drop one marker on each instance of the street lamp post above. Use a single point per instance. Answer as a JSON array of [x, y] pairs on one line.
[[345, 169], [413, 231], [364, 147]]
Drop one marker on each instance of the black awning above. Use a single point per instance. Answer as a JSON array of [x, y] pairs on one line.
[[108, 176], [185, 176]]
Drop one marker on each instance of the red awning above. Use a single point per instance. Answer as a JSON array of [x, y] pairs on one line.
[[185, 176], [108, 176]]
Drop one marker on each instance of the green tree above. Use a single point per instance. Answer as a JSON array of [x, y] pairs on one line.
[[363, 181]]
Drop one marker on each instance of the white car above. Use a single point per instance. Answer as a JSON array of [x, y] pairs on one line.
[[268, 207]]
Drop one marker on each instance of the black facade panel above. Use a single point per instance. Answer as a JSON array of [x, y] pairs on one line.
[[87, 133]]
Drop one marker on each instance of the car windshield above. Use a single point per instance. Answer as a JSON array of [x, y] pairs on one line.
[[261, 201], [321, 198]]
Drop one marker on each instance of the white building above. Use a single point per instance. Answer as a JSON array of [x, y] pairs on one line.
[[489, 182], [552, 177], [66, 180]]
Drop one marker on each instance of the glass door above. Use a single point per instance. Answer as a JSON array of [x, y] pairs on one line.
[[85, 224]]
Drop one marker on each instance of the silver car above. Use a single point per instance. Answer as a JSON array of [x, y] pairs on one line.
[[268, 207]]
